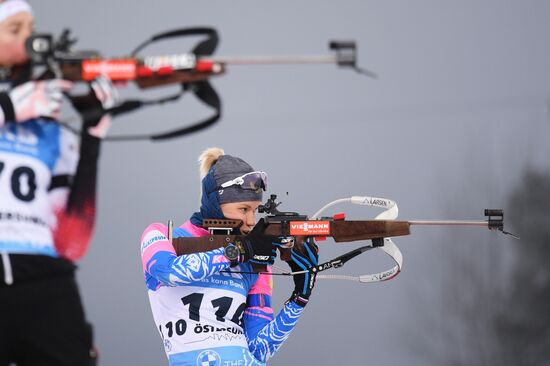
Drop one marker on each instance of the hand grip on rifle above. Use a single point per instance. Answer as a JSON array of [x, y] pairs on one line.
[[302, 259], [34, 99], [257, 247], [95, 106]]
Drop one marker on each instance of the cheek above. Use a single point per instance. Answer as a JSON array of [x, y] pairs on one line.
[[12, 53], [232, 214]]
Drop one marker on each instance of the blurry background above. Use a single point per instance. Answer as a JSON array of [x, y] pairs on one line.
[[458, 121]]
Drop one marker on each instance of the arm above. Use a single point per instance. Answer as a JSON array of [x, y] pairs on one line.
[[159, 259], [74, 198], [264, 333], [75, 209]]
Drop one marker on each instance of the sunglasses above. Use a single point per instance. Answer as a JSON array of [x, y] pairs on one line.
[[251, 181]]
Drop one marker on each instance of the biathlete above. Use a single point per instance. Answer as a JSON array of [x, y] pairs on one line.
[[47, 209], [210, 308]]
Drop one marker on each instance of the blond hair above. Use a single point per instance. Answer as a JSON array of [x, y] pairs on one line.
[[208, 158]]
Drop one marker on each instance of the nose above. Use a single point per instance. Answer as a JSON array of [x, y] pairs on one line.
[[25, 34], [249, 223]]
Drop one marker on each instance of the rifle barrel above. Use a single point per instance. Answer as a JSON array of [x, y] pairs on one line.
[[449, 222], [269, 60]]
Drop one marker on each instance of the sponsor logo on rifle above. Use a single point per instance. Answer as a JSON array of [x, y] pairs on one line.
[[177, 62], [310, 228], [113, 69]]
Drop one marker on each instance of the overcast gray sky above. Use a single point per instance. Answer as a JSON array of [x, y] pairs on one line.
[[460, 108]]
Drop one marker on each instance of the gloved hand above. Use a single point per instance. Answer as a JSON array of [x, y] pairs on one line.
[[258, 248], [107, 94], [35, 99], [105, 91], [302, 260], [103, 95]]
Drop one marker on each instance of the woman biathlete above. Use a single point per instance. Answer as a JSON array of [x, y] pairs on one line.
[[210, 308]]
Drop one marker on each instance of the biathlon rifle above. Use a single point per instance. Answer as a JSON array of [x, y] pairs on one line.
[[191, 70], [291, 224]]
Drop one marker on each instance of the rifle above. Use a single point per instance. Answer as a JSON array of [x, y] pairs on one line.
[[284, 224], [191, 70]]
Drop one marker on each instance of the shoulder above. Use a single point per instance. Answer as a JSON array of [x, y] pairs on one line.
[[156, 227], [154, 232]]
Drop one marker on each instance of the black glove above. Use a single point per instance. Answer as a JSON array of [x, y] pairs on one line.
[[302, 260], [258, 248]]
